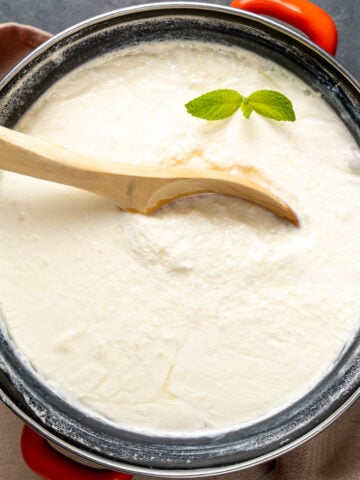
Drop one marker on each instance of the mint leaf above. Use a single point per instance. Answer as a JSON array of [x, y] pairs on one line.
[[272, 104], [215, 105]]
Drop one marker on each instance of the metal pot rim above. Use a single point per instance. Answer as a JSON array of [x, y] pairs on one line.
[[183, 5]]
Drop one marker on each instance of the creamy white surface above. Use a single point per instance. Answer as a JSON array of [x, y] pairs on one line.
[[211, 312]]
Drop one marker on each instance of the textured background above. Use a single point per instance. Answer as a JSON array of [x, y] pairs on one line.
[[56, 15]]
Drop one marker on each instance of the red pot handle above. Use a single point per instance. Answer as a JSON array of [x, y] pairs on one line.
[[302, 14], [49, 464]]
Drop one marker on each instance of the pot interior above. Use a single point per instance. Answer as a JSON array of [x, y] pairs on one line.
[[83, 432]]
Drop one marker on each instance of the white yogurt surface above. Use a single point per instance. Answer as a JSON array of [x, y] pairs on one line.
[[211, 312]]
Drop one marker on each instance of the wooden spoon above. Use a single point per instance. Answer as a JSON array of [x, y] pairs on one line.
[[134, 188]]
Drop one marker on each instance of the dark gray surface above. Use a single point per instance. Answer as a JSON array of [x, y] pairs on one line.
[[56, 15]]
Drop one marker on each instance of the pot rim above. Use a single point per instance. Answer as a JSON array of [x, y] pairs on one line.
[[197, 471], [180, 474], [153, 6]]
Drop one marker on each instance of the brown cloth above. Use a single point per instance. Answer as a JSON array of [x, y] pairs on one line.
[[332, 455], [17, 41]]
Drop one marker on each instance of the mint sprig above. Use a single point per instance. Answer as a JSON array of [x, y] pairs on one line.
[[223, 103]]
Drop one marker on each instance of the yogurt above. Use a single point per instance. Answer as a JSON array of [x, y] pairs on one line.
[[212, 312]]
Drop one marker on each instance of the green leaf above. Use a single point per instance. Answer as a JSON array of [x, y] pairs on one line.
[[272, 104], [215, 105]]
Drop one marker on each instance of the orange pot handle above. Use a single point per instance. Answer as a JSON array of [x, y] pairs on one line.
[[49, 464], [302, 14]]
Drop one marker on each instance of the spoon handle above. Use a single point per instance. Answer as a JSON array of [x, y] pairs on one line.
[[29, 156]]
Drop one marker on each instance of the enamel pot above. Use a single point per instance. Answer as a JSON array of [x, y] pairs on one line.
[[48, 416]]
